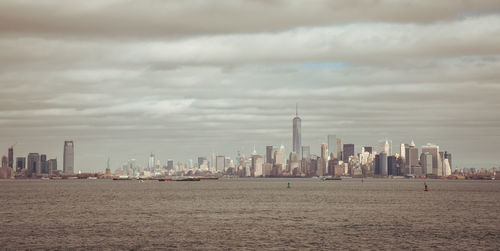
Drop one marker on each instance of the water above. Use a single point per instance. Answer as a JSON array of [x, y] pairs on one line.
[[249, 214]]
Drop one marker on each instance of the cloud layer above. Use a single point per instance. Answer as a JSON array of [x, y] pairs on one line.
[[125, 78]]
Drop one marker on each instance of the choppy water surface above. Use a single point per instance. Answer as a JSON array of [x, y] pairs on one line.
[[249, 214]]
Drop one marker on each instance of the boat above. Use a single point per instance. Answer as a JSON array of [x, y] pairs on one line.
[[333, 178], [189, 179], [122, 177], [208, 178], [166, 180]]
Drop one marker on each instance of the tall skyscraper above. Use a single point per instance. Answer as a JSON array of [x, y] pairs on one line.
[[151, 162], [332, 145], [297, 134], [11, 157], [43, 164], [68, 158], [339, 149], [269, 154], [33, 164]]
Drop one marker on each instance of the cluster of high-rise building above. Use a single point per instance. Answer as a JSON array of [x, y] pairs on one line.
[[335, 159], [37, 165]]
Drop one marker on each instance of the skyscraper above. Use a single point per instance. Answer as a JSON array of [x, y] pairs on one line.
[[339, 149], [306, 152], [33, 164], [44, 164], [332, 145], [269, 154], [201, 160], [385, 146], [348, 152], [52, 166], [297, 134], [68, 158], [20, 163], [220, 165], [151, 162], [433, 150], [11, 158]]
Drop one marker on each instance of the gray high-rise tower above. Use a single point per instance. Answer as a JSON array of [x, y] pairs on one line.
[[297, 134], [68, 158]]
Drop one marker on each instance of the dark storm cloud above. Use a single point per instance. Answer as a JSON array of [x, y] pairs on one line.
[[182, 79]]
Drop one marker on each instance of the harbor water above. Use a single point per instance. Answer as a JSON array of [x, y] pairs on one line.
[[250, 214]]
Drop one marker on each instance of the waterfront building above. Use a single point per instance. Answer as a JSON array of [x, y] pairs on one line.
[[20, 163], [392, 166], [52, 166], [10, 160], [297, 134], [426, 159], [383, 163], [68, 158], [258, 165], [43, 164], [433, 150], [33, 167]]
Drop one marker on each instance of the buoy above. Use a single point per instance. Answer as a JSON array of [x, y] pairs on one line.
[[426, 189], [288, 184]]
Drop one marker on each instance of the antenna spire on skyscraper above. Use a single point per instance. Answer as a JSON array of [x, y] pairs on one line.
[[296, 109]]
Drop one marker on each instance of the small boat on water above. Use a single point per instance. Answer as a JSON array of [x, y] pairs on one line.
[[181, 179], [123, 177], [189, 179], [166, 180], [333, 178]]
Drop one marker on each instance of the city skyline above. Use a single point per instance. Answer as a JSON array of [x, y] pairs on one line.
[[123, 86], [330, 151]]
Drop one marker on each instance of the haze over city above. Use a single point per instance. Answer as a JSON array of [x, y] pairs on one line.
[[185, 79]]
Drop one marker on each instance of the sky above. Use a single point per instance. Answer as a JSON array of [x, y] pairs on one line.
[[183, 79]]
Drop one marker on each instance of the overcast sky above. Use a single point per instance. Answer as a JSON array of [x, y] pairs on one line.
[[184, 78]]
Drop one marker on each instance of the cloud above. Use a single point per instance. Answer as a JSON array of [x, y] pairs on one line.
[[126, 78], [160, 19]]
